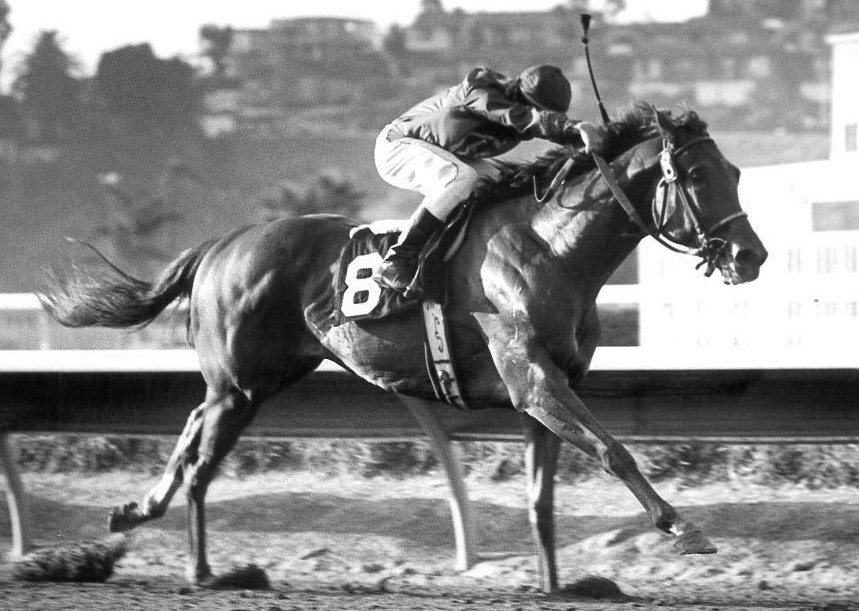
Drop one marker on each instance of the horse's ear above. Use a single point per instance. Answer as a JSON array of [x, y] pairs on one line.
[[663, 124]]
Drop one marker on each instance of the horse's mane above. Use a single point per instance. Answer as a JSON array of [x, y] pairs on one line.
[[635, 125]]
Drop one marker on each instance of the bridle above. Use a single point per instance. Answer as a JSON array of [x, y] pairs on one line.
[[708, 247]]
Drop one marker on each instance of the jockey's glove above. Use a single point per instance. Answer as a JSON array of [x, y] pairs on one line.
[[588, 136], [591, 135]]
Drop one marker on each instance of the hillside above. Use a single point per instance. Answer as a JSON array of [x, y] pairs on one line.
[[63, 197]]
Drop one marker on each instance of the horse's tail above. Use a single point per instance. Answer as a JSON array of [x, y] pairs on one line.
[[113, 298]]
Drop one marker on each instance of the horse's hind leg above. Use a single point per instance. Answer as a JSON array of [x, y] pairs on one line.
[[156, 501], [541, 459], [222, 422], [463, 522], [209, 434]]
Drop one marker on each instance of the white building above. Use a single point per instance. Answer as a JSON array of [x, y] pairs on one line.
[[845, 94]]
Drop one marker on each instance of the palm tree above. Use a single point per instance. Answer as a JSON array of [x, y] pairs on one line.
[[328, 191], [216, 46], [137, 219]]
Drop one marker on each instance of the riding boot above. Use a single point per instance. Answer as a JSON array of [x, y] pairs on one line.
[[399, 266]]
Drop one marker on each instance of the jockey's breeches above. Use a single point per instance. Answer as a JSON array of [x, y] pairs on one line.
[[441, 177]]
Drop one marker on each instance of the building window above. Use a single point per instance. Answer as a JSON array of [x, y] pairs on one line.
[[835, 216], [826, 260], [794, 261], [759, 66], [794, 309], [850, 138]]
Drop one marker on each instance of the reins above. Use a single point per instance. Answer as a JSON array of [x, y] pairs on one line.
[[557, 181]]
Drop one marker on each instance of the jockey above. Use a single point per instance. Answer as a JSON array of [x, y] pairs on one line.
[[441, 148]]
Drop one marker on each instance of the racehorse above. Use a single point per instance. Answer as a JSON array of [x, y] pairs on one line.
[[521, 307]]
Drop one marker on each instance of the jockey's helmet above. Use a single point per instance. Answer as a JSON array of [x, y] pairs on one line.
[[546, 87]]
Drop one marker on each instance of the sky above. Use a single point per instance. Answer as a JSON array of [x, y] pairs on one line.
[[89, 27]]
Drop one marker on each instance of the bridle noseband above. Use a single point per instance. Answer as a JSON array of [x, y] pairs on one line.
[[709, 247]]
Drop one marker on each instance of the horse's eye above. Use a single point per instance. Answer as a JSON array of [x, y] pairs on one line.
[[696, 175]]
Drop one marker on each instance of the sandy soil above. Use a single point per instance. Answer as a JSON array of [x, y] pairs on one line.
[[351, 543]]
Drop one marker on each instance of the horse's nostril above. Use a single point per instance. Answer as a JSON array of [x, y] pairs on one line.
[[747, 257]]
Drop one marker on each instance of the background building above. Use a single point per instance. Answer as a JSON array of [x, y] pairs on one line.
[[845, 95], [757, 64], [808, 217]]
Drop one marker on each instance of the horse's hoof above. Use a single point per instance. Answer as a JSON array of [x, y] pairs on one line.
[[199, 577], [122, 519], [694, 542]]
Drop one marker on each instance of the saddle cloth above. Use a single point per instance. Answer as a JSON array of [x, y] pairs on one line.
[[359, 297]]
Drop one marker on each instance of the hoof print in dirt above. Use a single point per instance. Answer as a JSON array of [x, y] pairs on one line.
[[247, 577], [88, 561], [594, 587]]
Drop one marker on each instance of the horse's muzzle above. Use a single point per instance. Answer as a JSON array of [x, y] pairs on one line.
[[742, 259]]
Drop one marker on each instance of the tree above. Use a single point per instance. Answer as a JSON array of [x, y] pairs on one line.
[[328, 191], [46, 86], [579, 6], [394, 46], [146, 89], [431, 7], [216, 46], [613, 7], [5, 26], [137, 220], [10, 119]]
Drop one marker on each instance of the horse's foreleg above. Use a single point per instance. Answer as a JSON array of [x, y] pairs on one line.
[[540, 389], [541, 459], [221, 425], [156, 501], [578, 426]]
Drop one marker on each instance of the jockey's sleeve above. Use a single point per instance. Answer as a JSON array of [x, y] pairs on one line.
[[492, 105]]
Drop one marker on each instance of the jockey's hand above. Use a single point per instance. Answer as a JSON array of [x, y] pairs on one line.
[[592, 135]]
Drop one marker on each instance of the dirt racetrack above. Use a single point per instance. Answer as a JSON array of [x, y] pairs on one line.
[[346, 542]]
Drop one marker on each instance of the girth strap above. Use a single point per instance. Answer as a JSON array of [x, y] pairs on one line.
[[438, 356]]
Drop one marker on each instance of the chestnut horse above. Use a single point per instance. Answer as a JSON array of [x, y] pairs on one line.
[[521, 307]]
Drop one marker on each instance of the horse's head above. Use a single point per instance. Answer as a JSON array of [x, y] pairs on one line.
[[696, 207]]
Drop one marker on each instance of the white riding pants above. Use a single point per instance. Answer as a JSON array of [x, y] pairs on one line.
[[441, 177]]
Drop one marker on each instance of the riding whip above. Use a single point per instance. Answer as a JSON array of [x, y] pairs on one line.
[[561, 176], [586, 25], [601, 164]]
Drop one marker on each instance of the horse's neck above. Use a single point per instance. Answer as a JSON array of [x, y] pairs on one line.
[[587, 230]]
